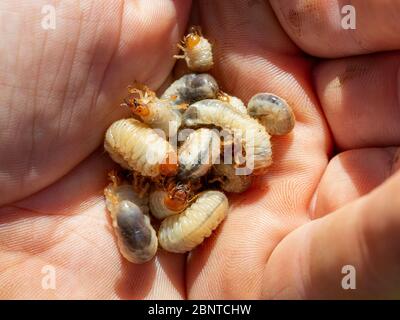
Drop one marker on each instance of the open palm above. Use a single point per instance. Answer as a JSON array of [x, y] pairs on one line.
[[324, 204]]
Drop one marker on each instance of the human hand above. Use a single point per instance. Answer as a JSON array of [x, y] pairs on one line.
[[289, 235]]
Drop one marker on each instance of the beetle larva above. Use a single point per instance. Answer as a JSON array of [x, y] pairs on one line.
[[137, 147], [137, 240], [183, 232], [273, 112], [229, 180], [198, 153], [157, 113], [191, 88], [257, 145], [197, 51], [233, 101]]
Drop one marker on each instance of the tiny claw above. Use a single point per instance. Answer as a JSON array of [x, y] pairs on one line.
[[176, 56], [196, 30], [135, 90], [111, 196], [124, 105], [181, 46], [222, 96], [114, 177]]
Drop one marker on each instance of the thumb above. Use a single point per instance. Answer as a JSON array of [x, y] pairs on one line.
[[357, 245]]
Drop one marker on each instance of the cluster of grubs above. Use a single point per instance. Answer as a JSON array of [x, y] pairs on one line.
[[220, 145]]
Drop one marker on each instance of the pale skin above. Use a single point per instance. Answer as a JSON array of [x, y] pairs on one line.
[[330, 199]]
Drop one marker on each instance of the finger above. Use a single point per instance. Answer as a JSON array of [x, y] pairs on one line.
[[252, 54], [352, 174], [319, 27], [364, 235], [61, 90], [360, 99]]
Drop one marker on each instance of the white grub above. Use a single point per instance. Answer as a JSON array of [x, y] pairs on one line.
[[137, 240], [256, 140], [233, 101], [157, 113], [198, 153], [191, 88], [273, 112], [183, 232], [137, 147], [197, 51], [229, 180]]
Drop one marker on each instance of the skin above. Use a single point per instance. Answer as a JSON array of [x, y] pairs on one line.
[[330, 199]]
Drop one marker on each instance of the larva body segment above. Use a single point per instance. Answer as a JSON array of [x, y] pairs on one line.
[[273, 113], [218, 113], [137, 240], [137, 147], [158, 207], [191, 88], [233, 101], [230, 181], [115, 194], [183, 232], [198, 153]]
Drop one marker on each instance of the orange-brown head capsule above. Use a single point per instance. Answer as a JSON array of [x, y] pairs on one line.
[[140, 110], [178, 195], [192, 40], [176, 202], [139, 100]]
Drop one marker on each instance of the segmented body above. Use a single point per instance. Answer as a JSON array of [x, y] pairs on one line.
[[162, 116], [199, 58], [198, 153], [137, 240], [197, 51], [183, 232], [135, 146], [233, 101], [218, 113], [273, 112], [191, 88]]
